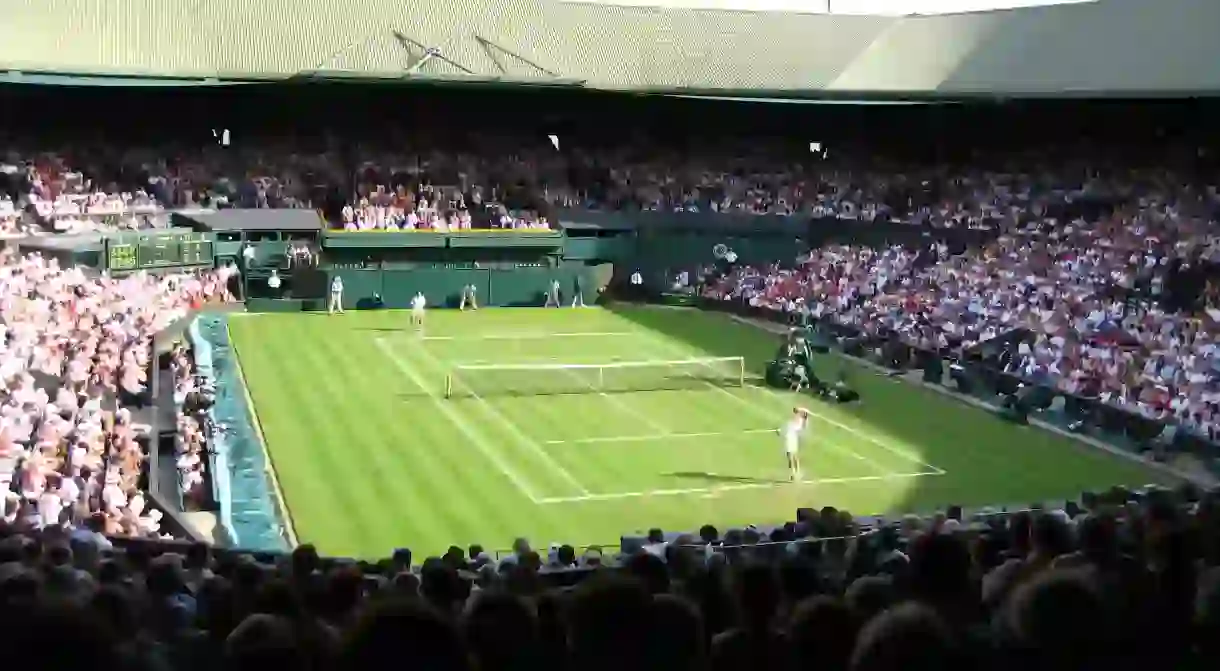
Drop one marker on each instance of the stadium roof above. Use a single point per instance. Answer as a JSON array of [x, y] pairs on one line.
[[1115, 46], [254, 220]]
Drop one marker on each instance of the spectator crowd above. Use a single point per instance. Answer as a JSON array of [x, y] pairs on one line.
[[1120, 579], [77, 353], [1089, 292], [1114, 580]]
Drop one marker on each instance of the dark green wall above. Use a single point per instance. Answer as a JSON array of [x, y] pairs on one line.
[[443, 286]]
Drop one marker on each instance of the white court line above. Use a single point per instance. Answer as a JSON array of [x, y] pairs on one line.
[[533, 336], [618, 403], [729, 488], [844, 450], [546, 459], [657, 436], [612, 400], [521, 483]]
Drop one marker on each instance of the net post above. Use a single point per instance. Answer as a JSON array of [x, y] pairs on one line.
[[448, 385], [601, 377], [741, 371]]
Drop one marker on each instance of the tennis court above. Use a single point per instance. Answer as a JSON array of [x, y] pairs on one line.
[[577, 403], [580, 425]]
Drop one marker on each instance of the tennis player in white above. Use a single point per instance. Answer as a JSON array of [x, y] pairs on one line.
[[417, 310], [791, 431]]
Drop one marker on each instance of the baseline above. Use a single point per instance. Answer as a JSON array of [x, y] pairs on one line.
[[496, 459], [727, 488]]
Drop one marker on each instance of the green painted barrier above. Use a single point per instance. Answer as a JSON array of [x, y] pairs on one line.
[[504, 287]]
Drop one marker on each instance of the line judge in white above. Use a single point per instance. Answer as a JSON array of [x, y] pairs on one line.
[[791, 432], [418, 304], [468, 298], [336, 296]]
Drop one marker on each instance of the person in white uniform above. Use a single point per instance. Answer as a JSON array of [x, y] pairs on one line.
[[552, 296], [791, 433], [336, 296], [468, 298], [418, 304], [274, 283]]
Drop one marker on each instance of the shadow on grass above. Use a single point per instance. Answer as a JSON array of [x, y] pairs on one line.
[[987, 460], [715, 478]]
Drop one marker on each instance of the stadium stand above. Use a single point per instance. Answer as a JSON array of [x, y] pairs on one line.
[[1088, 218]]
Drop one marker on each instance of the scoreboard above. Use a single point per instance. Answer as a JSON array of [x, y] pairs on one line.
[[161, 249]]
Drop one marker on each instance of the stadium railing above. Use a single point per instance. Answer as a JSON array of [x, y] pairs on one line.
[[160, 476], [218, 465]]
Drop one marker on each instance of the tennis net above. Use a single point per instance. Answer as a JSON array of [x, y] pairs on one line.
[[534, 379]]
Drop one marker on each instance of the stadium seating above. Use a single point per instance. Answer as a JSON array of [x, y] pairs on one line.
[[1115, 579]]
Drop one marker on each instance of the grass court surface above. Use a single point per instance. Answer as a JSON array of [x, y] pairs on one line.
[[371, 456]]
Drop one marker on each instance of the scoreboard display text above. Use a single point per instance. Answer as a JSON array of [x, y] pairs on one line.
[[141, 251]]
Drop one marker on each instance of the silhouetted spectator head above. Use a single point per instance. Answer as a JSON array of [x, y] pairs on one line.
[[609, 624], [455, 557], [799, 577], [940, 569], [441, 585], [823, 632], [113, 608], [57, 636], [520, 546], [402, 559], [1058, 620], [870, 595], [343, 593], [263, 642], [198, 556], [1050, 536], [277, 597], [18, 585], [401, 630], [909, 636], [757, 594], [165, 577], [305, 561], [502, 632], [1019, 530], [650, 570], [406, 584], [216, 609], [678, 640], [1098, 537]]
